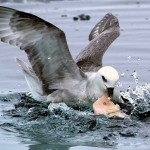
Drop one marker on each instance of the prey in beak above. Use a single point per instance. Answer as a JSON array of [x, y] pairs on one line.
[[107, 106], [104, 105]]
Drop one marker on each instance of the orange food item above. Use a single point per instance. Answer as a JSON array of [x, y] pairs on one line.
[[104, 105]]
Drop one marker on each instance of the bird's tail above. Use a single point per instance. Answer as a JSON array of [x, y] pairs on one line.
[[34, 84]]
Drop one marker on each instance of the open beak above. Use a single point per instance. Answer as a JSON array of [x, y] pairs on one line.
[[110, 92]]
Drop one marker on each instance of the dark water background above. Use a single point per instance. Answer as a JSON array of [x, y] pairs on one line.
[[129, 53]]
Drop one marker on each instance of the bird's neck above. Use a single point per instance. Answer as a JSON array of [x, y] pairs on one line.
[[95, 86]]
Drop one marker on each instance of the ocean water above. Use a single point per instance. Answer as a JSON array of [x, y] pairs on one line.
[[129, 54]]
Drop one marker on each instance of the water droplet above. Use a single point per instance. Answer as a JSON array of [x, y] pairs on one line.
[[129, 57], [135, 76], [122, 74], [119, 84]]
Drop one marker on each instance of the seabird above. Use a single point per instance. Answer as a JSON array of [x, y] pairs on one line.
[[54, 76]]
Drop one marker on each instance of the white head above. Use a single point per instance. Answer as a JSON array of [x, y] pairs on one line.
[[109, 76]]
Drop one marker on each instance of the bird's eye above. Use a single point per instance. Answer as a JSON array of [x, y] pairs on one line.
[[104, 79]]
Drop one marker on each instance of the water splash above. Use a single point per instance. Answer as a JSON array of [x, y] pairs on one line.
[[139, 97], [137, 92]]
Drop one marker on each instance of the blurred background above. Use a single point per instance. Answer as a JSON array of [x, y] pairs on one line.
[[25, 1]]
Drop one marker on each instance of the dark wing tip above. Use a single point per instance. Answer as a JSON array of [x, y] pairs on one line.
[[108, 21], [102, 35]]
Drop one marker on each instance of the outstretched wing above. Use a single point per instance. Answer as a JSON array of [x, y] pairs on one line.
[[45, 45], [101, 36]]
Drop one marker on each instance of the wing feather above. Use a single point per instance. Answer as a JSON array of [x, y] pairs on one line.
[[101, 36], [45, 45]]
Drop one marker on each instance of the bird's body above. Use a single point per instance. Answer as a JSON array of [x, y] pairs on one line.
[[54, 76], [87, 90]]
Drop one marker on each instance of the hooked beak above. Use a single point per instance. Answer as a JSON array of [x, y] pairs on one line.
[[110, 92]]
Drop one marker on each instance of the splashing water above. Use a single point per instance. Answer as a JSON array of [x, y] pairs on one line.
[[138, 92], [140, 99]]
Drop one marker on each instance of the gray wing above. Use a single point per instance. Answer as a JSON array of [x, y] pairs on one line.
[[45, 45], [101, 36]]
